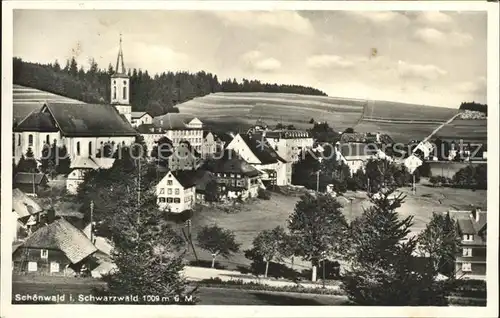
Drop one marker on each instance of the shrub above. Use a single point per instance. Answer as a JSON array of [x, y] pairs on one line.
[[264, 194]]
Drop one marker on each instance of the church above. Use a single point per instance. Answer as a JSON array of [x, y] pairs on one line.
[[83, 128]]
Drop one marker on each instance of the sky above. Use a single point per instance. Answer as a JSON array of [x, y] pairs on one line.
[[433, 58]]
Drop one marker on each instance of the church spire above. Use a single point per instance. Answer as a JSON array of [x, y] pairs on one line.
[[119, 60]]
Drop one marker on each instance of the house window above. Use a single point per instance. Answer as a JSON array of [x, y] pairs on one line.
[[32, 267], [169, 182], [114, 92], [170, 200], [466, 267], [54, 267], [162, 200], [47, 139], [90, 148], [177, 191], [44, 254], [162, 191], [232, 175], [467, 252], [30, 140], [19, 140], [177, 200], [468, 237], [78, 148]]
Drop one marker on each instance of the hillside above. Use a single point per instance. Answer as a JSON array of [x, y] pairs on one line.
[[272, 108]]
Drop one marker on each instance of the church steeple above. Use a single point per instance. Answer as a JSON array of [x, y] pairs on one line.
[[120, 64], [120, 88]]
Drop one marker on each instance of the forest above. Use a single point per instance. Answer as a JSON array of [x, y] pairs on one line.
[[157, 94], [474, 107]]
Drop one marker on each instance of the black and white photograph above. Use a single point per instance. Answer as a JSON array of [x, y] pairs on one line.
[[278, 155]]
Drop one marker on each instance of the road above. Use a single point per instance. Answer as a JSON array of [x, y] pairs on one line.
[[206, 295]]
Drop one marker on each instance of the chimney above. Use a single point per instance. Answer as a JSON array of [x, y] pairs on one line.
[[51, 215]]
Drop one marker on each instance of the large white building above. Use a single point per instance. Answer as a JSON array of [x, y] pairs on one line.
[[176, 191], [82, 128], [181, 127]]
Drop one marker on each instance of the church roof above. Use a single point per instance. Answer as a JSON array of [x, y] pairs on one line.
[[85, 120], [37, 121]]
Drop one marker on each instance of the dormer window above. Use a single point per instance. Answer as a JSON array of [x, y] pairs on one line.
[[468, 238]]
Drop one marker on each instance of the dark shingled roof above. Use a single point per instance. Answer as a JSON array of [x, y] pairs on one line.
[[232, 163], [173, 121], [83, 120], [137, 115], [468, 225], [61, 235], [149, 129], [288, 134], [28, 177], [262, 150], [37, 121], [187, 178], [225, 137]]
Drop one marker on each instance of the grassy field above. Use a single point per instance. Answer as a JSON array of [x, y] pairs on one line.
[[274, 107], [262, 215], [469, 130], [400, 111], [447, 169], [399, 132]]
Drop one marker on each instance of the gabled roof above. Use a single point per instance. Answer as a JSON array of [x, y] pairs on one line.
[[187, 178], [61, 235], [354, 151], [92, 163], [231, 162], [138, 115], [37, 121], [85, 120], [468, 224], [262, 150], [23, 205], [29, 178], [149, 129], [173, 121]]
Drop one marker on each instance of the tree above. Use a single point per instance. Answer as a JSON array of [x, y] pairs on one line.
[[63, 162], [383, 270], [212, 191], [318, 227], [162, 151], [106, 151], [349, 130], [311, 121], [439, 241], [28, 163], [139, 148], [73, 67], [217, 241], [268, 244], [147, 252]]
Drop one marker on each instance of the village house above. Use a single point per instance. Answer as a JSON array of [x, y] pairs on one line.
[[176, 191], [203, 179], [236, 177], [26, 214], [141, 118], [260, 154], [151, 135], [212, 144], [356, 155], [184, 157], [470, 262], [30, 183], [289, 143], [181, 127], [82, 128], [58, 249], [80, 166]]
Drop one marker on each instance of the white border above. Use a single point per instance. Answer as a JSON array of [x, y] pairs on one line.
[[53, 311]]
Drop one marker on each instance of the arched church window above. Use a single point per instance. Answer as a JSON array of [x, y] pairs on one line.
[[90, 148], [78, 148], [125, 92], [47, 139], [30, 140], [114, 92]]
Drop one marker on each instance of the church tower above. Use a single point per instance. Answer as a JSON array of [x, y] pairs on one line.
[[120, 87]]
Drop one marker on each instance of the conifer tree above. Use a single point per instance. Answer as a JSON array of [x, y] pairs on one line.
[[383, 270]]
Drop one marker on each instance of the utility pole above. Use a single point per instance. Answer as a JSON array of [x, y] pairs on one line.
[[324, 272], [317, 181], [139, 183], [92, 221], [414, 186]]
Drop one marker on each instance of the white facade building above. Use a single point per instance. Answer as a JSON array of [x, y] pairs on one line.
[[80, 166], [181, 127], [176, 191]]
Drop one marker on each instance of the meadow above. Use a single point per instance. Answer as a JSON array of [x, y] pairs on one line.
[[399, 132], [408, 112], [468, 130]]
